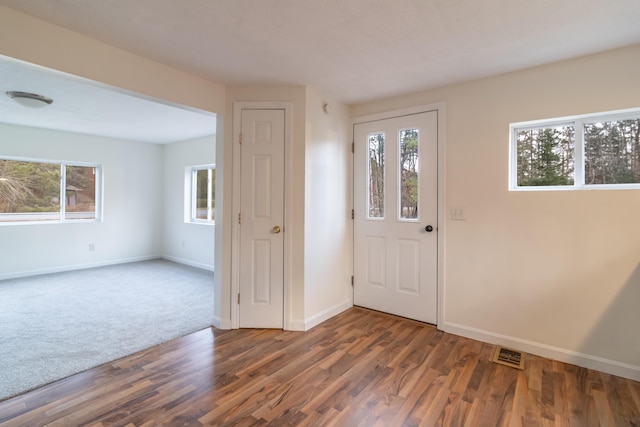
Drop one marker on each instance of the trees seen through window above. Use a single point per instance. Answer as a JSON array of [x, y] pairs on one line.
[[587, 151]]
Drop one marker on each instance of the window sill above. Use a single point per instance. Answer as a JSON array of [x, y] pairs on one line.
[[201, 222]]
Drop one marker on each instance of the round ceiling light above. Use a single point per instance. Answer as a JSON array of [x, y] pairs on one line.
[[30, 100]]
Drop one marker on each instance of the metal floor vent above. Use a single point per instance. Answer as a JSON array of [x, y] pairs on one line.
[[508, 357]]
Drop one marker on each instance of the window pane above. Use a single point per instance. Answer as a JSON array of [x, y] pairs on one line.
[[376, 175], [202, 179], [409, 157], [546, 156], [29, 191], [612, 152], [80, 192]]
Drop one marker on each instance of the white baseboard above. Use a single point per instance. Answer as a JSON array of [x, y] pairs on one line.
[[188, 262], [37, 272], [563, 355], [299, 325], [221, 323], [316, 319], [295, 325]]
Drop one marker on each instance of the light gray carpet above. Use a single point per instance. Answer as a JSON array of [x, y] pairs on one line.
[[55, 325]]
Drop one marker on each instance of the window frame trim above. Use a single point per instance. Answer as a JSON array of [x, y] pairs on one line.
[[99, 191], [578, 121]]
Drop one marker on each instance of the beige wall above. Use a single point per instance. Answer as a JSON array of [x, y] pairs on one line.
[[557, 273], [29, 39], [36, 41], [320, 200], [328, 201], [553, 272]]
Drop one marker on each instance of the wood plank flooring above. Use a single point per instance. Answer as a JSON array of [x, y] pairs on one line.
[[360, 368]]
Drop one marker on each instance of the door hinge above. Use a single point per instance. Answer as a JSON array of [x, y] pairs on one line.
[[352, 281], [240, 138], [353, 214], [238, 299], [239, 218], [353, 146]]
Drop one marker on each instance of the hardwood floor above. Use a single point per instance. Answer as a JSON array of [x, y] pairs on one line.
[[360, 368]]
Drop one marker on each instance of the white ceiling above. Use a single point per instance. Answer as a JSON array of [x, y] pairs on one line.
[[355, 50]]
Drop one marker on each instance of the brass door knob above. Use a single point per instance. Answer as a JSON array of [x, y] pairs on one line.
[[276, 229]]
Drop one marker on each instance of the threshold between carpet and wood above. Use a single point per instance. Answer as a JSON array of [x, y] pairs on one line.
[[56, 325]]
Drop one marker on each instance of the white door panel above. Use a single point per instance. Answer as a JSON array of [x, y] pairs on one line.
[[261, 275], [395, 179]]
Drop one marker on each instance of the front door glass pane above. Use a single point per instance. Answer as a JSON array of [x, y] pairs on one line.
[[409, 159], [376, 175]]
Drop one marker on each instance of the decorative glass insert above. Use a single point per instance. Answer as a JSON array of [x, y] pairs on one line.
[[376, 175], [545, 156], [409, 157], [612, 152]]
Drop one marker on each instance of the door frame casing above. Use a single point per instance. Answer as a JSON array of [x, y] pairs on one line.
[[439, 107], [238, 106]]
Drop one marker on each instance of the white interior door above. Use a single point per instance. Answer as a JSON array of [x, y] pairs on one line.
[[261, 273], [395, 222]]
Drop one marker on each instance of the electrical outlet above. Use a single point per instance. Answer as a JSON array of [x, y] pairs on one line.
[[92, 247]]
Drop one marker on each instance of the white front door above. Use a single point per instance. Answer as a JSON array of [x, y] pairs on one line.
[[395, 222], [261, 272]]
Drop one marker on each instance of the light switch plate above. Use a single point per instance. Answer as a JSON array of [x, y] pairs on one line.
[[457, 214]]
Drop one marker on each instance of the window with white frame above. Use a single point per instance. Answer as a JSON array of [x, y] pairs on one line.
[[42, 191], [582, 152], [203, 194]]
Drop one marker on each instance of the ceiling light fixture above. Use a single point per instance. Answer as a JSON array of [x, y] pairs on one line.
[[30, 100]]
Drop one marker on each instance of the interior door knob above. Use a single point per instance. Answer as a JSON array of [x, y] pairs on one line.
[[276, 229], [428, 229]]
